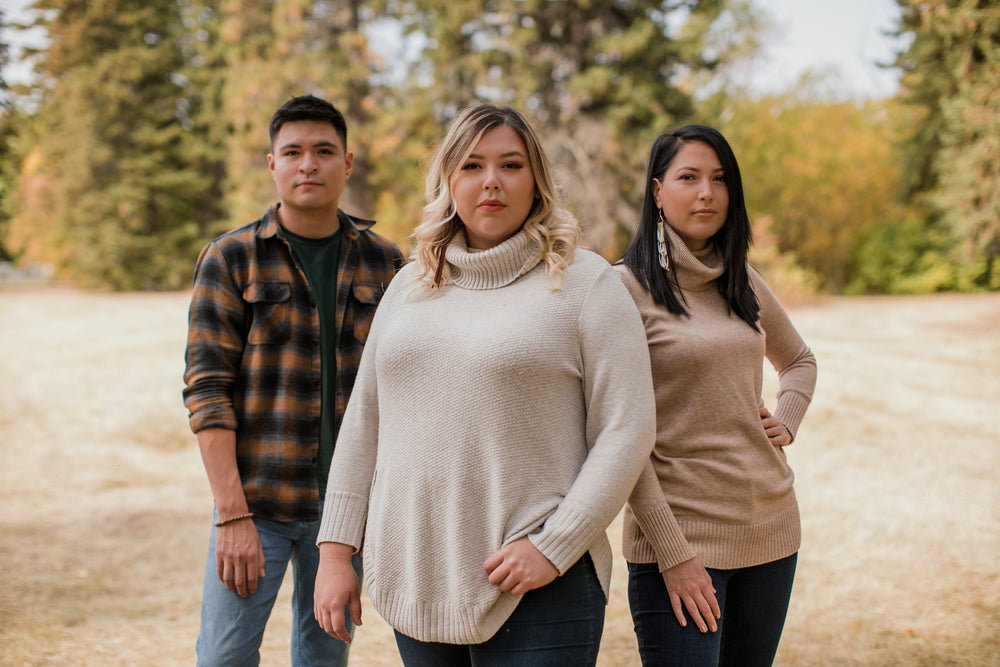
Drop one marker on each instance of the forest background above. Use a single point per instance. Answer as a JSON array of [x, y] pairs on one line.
[[142, 132], [142, 135]]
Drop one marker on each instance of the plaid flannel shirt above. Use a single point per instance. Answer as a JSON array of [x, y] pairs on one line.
[[253, 353]]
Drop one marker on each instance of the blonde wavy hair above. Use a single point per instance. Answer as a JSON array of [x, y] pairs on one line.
[[549, 222]]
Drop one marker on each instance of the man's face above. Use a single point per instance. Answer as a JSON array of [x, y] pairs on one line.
[[309, 166]]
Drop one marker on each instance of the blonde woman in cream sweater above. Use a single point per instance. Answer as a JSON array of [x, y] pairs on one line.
[[502, 413], [711, 531]]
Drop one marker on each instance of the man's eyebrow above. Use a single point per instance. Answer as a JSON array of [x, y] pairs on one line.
[[319, 144]]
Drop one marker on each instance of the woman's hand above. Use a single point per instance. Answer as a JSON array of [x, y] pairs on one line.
[[520, 567], [777, 432], [690, 587], [336, 587]]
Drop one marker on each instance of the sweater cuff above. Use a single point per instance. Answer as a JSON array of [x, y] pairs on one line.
[[343, 519], [665, 536], [790, 410], [564, 537]]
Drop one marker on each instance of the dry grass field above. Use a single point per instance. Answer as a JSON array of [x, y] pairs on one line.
[[104, 507]]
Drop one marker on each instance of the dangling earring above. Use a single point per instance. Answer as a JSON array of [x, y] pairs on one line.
[[661, 244]]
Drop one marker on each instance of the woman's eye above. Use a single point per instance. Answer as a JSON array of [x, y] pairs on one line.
[[513, 165], [470, 166]]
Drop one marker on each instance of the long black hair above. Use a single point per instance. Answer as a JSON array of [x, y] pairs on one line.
[[732, 240]]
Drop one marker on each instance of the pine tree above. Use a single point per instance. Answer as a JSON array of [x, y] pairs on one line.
[[8, 115], [951, 70], [599, 80], [257, 54], [110, 194]]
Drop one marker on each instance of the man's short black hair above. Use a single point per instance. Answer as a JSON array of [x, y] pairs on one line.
[[308, 107]]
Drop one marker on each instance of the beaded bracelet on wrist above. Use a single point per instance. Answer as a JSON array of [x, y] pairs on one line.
[[234, 519]]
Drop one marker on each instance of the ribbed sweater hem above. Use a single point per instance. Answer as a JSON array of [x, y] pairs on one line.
[[441, 622], [467, 624], [662, 529], [725, 546]]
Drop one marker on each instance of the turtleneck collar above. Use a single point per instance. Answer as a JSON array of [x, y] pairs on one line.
[[694, 270], [489, 269]]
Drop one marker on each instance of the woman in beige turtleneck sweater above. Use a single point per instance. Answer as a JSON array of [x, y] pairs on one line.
[[711, 531], [502, 413]]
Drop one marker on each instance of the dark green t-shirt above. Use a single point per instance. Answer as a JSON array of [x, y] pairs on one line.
[[318, 258]]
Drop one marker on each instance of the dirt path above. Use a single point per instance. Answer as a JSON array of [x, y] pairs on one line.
[[104, 509]]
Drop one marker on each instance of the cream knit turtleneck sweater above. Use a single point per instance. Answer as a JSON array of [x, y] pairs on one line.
[[715, 487], [496, 409]]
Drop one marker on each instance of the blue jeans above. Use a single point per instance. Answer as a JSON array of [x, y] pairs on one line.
[[556, 625], [753, 601], [232, 627]]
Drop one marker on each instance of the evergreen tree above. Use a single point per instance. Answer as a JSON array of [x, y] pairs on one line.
[[257, 54], [8, 159], [599, 80], [109, 193], [951, 70]]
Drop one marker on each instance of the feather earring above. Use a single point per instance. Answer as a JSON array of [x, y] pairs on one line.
[[661, 244]]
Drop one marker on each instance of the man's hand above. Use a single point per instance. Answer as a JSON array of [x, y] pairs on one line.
[[239, 556]]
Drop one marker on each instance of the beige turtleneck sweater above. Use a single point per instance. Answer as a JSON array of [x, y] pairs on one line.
[[715, 486], [496, 409]]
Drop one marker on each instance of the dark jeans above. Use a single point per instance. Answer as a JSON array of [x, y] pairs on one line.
[[753, 601], [557, 625]]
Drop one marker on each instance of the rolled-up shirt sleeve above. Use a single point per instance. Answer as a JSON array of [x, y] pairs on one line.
[[216, 322]]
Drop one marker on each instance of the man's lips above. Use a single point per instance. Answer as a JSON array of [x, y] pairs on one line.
[[308, 183]]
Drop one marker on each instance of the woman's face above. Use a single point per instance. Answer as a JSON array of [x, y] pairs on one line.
[[693, 195], [494, 188]]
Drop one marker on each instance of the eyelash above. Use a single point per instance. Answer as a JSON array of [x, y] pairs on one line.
[[506, 165], [325, 151], [717, 179]]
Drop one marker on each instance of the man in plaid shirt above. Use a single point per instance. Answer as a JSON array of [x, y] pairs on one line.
[[279, 315]]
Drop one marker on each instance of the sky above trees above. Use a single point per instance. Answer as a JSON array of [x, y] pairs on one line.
[[847, 36]]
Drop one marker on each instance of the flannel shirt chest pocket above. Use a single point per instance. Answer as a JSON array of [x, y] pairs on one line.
[[365, 298], [271, 312]]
